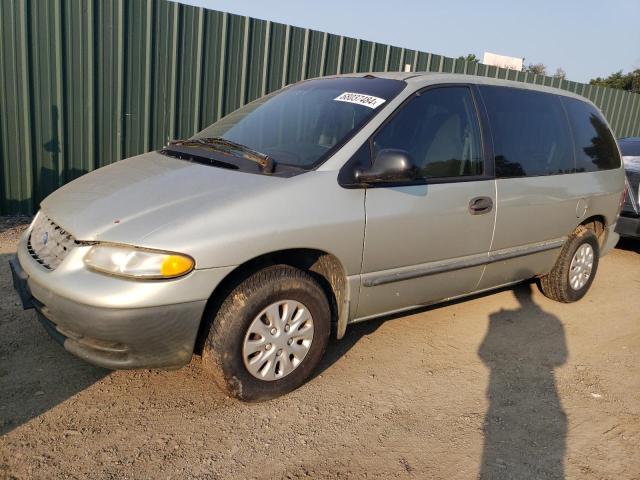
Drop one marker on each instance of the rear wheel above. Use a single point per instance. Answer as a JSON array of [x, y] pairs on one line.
[[573, 272], [269, 334]]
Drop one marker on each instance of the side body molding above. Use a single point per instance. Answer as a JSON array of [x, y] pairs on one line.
[[415, 271]]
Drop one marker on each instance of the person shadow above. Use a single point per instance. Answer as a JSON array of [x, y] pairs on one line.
[[525, 427]]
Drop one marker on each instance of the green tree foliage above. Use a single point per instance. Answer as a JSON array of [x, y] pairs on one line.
[[536, 68], [471, 57], [560, 73], [624, 81]]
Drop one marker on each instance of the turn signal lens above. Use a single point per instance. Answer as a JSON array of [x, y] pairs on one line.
[[175, 265], [140, 263]]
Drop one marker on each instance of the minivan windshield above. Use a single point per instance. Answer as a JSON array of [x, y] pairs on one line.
[[303, 124]]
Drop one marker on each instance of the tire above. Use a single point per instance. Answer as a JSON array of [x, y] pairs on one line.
[[556, 285], [240, 314]]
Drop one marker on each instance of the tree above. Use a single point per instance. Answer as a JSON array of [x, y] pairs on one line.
[[560, 73], [536, 68], [471, 57], [623, 81]]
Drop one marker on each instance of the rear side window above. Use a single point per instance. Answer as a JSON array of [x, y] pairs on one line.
[[439, 129], [595, 145], [530, 132]]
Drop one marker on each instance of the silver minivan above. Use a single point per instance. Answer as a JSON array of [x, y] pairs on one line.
[[329, 202]]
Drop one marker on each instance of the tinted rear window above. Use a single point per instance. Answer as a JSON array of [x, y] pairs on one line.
[[530, 132], [630, 148], [595, 146]]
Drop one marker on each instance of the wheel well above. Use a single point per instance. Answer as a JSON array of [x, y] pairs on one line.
[[597, 224], [324, 267]]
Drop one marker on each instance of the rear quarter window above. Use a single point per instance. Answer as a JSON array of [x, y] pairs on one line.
[[595, 145], [530, 132]]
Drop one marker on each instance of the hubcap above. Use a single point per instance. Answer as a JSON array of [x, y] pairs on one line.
[[581, 266], [277, 340]]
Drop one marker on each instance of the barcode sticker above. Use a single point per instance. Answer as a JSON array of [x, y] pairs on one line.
[[360, 99]]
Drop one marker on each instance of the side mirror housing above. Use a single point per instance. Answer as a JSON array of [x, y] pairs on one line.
[[389, 166]]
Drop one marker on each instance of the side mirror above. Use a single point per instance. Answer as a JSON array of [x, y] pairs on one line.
[[389, 166]]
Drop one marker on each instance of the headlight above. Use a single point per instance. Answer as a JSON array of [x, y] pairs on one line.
[[137, 262]]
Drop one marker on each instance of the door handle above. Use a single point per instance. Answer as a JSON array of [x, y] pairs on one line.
[[480, 205]]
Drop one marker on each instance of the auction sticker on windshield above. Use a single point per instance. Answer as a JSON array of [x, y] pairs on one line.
[[360, 99]]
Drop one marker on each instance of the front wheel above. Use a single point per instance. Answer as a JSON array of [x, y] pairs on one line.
[[575, 268], [269, 334]]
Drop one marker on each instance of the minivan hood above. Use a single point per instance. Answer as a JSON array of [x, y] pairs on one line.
[[126, 201]]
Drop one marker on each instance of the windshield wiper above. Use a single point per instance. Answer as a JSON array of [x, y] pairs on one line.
[[266, 163]]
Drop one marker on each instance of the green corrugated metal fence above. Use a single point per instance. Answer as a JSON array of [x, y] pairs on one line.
[[87, 82]]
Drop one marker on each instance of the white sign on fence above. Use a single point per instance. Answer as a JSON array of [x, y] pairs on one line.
[[503, 61]]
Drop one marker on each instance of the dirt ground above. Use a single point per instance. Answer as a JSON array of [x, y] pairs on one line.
[[504, 385]]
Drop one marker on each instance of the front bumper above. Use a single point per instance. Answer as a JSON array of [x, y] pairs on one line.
[[151, 337], [628, 226], [116, 323]]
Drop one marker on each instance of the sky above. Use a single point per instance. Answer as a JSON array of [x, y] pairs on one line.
[[586, 38]]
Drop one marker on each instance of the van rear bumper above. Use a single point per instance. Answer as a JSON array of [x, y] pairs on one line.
[[628, 226]]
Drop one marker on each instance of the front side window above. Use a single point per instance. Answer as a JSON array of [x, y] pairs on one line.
[[530, 132], [630, 147], [439, 129], [301, 124], [595, 145]]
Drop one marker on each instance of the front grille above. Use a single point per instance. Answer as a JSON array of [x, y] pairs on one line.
[[49, 244]]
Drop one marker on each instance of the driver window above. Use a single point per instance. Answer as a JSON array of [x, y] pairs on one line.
[[439, 129]]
